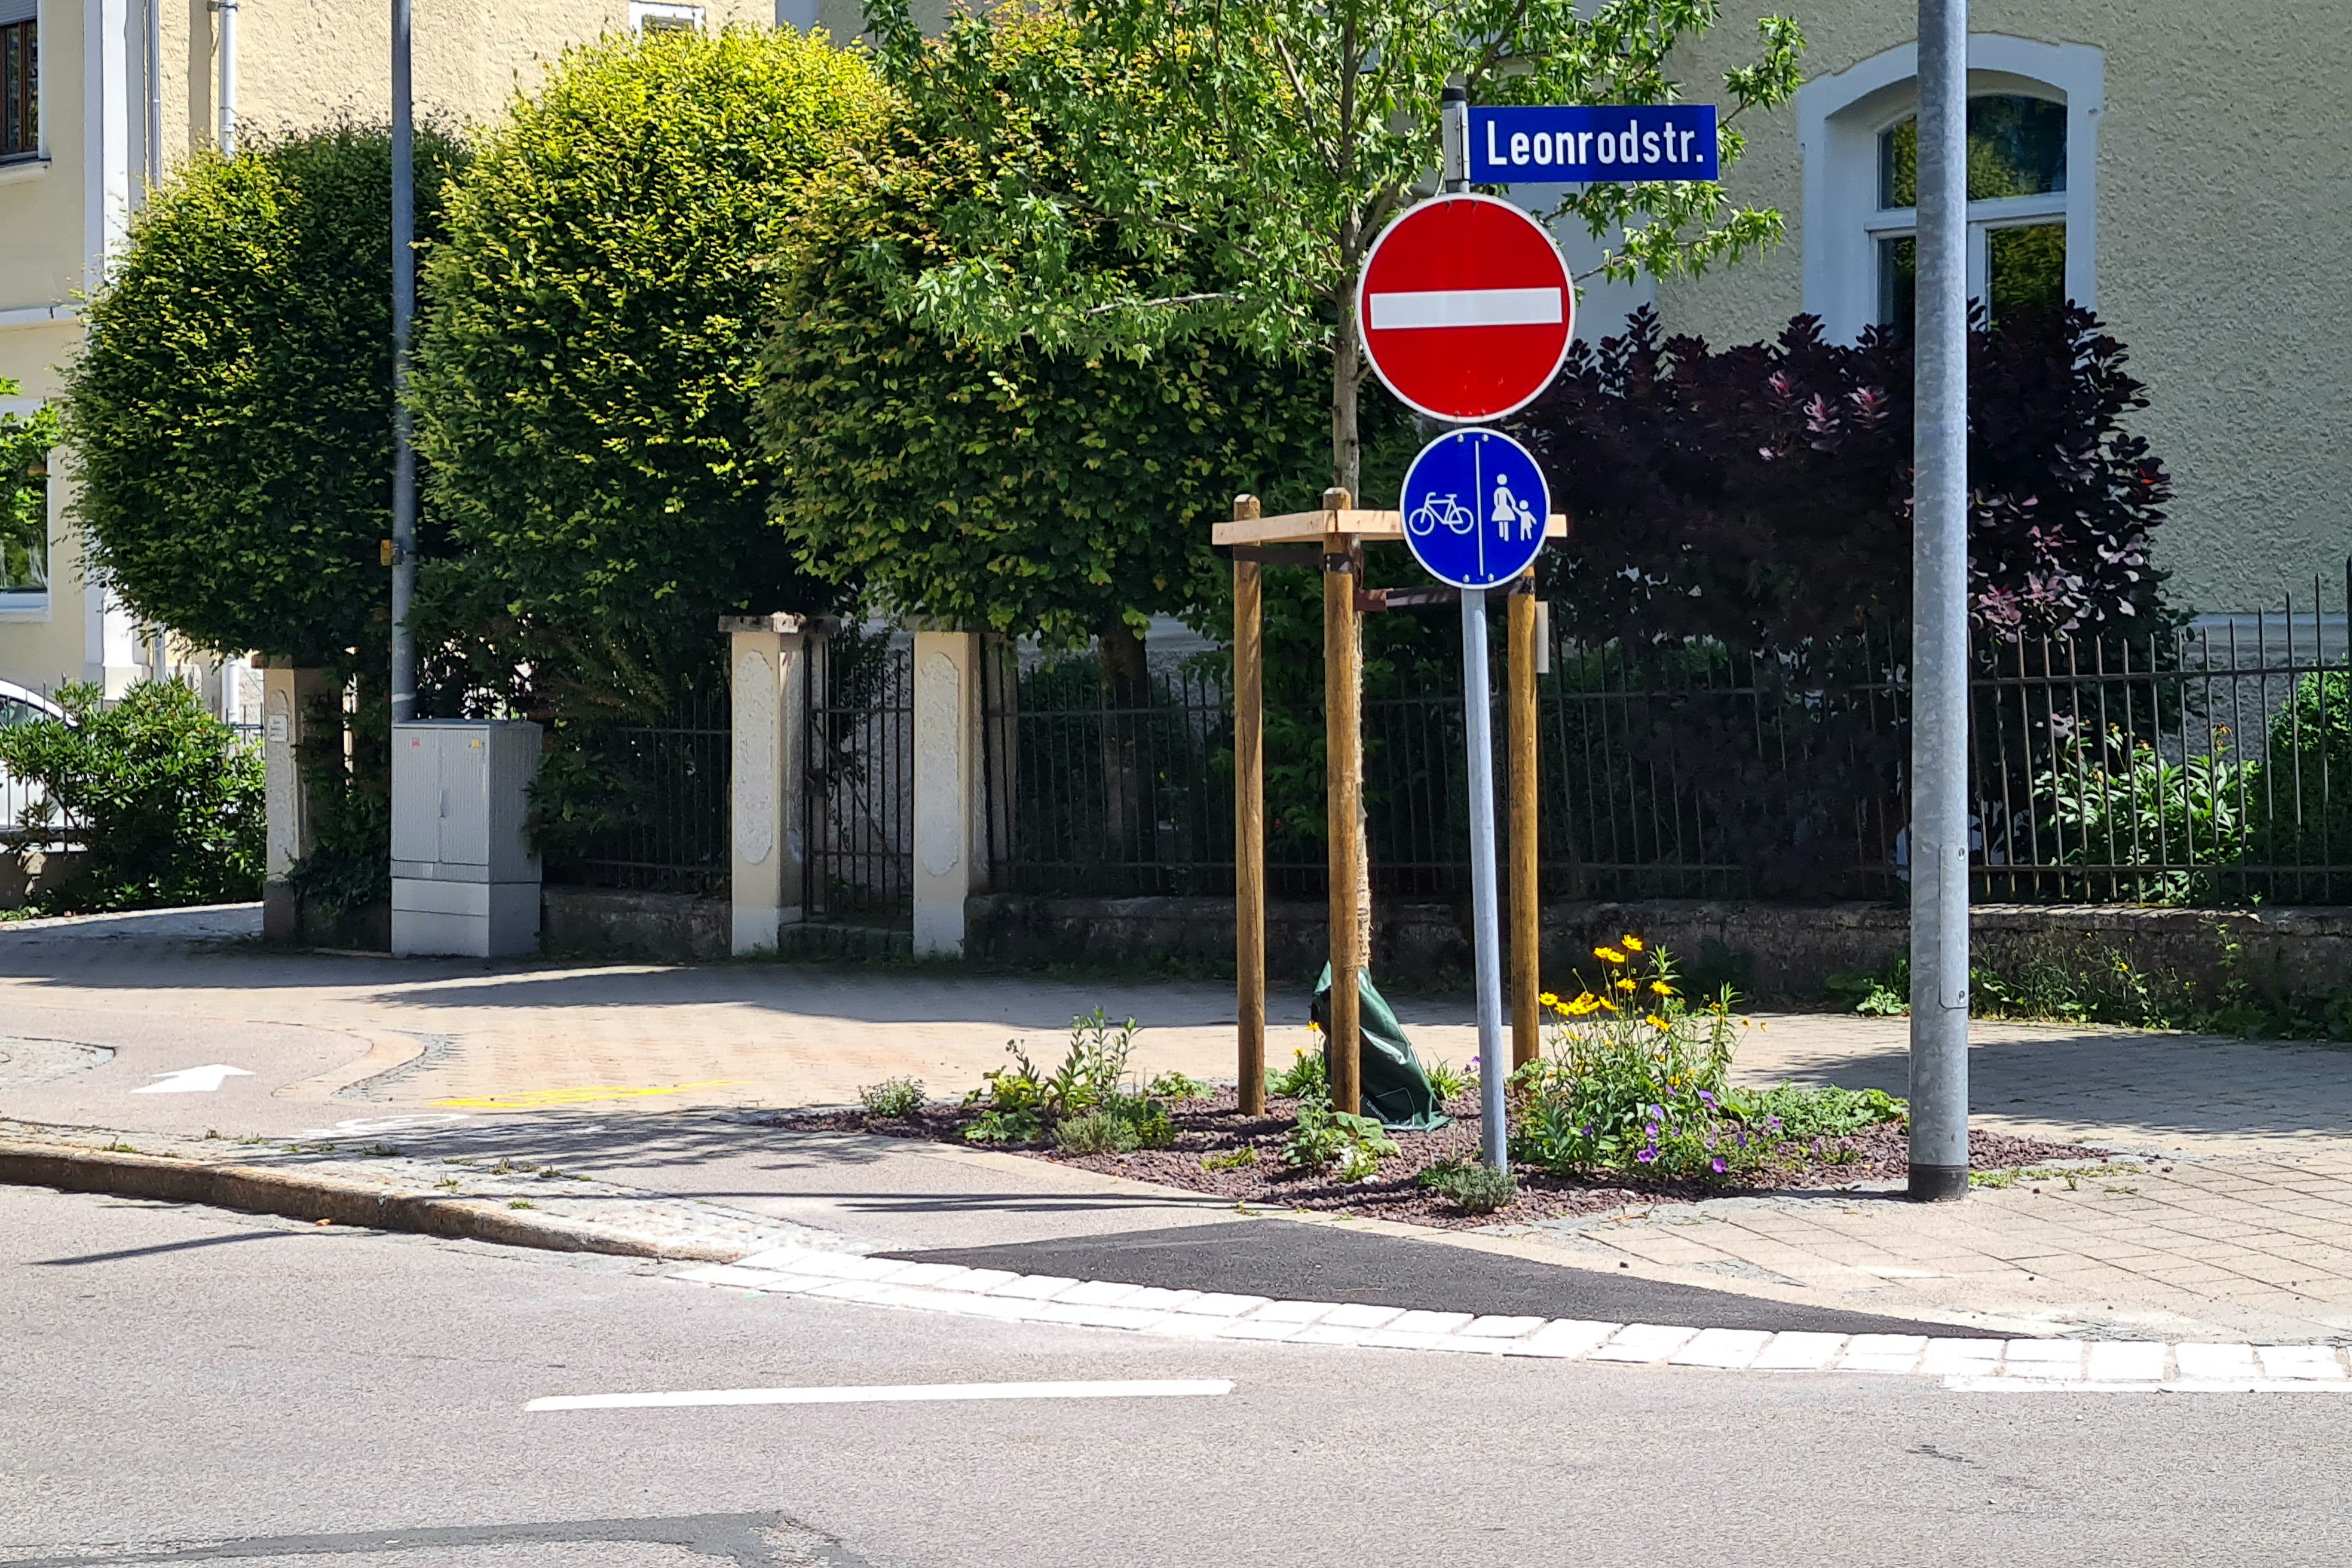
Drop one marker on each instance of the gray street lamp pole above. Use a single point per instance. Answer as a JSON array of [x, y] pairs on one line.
[[1940, 623], [404, 307]]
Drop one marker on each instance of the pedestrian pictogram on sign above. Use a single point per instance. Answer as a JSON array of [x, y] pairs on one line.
[[1465, 308]]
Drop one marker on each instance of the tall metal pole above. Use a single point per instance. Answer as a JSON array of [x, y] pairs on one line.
[[1485, 917], [404, 307], [227, 51], [1939, 619]]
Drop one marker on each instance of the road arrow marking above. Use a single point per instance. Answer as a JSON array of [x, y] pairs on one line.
[[192, 1081]]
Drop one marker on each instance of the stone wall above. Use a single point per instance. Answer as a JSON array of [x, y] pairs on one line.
[[670, 928], [1767, 950]]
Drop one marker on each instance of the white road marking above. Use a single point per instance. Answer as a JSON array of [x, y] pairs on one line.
[[192, 1080], [897, 1393], [1467, 308], [2199, 1385]]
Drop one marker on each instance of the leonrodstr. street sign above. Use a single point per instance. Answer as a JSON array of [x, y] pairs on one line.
[[1574, 144], [1465, 308]]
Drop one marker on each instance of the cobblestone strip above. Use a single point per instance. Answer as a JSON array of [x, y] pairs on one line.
[[1962, 1363]]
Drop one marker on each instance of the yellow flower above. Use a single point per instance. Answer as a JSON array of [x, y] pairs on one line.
[[1549, 998], [1625, 983], [1611, 953], [1606, 1003], [1631, 942], [1656, 1022], [1662, 988], [1313, 1027]]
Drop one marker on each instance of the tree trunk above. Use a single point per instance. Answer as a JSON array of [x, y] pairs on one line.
[[1126, 694], [1346, 473]]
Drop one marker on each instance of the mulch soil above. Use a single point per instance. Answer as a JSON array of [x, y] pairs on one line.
[[1214, 1126]]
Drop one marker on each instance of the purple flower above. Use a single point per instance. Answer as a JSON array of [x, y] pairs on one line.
[[1773, 1122], [1646, 1155], [1743, 1140], [1650, 1131], [1705, 1096], [1717, 1166]]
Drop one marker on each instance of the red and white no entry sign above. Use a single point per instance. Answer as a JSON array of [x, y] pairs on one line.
[[1465, 308]]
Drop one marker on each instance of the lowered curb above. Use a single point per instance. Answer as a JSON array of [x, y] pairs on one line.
[[315, 1197]]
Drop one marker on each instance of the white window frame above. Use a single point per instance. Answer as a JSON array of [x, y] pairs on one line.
[[662, 12], [1839, 119]]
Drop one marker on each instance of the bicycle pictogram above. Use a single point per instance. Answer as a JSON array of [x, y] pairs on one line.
[[1446, 509]]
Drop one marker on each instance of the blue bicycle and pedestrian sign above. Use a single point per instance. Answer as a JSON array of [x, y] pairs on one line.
[[1475, 509]]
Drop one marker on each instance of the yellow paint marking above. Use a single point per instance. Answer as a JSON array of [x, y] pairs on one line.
[[535, 1099]]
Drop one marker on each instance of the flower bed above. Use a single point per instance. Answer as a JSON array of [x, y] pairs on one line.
[[1212, 1135]]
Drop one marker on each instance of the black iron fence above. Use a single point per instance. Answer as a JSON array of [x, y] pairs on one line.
[[643, 806], [2199, 764], [858, 802], [2208, 763]]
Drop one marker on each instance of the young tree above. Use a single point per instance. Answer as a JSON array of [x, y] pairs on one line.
[[1019, 490], [1279, 136]]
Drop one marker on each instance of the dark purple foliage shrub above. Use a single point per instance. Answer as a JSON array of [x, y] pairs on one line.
[[1740, 565], [1760, 496]]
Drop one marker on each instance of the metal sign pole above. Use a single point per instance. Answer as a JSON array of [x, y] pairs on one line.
[[1940, 623], [1485, 922], [404, 308]]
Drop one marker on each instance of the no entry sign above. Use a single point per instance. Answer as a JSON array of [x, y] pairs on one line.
[[1465, 308]]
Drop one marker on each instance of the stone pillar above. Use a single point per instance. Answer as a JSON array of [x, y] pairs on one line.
[[292, 700], [766, 661], [947, 767]]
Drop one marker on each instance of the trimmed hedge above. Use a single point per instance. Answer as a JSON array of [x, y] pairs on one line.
[[231, 412], [584, 381]]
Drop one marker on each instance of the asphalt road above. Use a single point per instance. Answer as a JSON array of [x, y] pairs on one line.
[[189, 1386]]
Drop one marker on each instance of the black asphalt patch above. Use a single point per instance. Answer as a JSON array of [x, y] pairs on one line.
[[1298, 1262]]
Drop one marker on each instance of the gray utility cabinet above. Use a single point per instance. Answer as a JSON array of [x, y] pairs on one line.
[[464, 879]]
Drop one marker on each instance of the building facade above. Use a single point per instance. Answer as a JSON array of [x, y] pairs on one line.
[[2183, 169], [98, 98]]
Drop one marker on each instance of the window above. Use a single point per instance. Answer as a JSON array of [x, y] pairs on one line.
[[657, 16], [20, 83], [24, 541], [2016, 209], [2033, 111]]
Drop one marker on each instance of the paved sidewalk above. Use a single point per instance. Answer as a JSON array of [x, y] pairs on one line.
[[2228, 1213]]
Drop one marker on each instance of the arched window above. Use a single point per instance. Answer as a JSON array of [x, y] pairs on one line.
[[2033, 162]]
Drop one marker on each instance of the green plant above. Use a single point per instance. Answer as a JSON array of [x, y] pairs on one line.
[[584, 377], [2117, 803], [1017, 1125], [1886, 994], [1176, 1086], [1099, 1131], [521, 1204], [1822, 1111], [1146, 1117], [169, 804], [1304, 1078], [230, 408], [1450, 1083], [893, 1097], [1349, 1146], [1470, 1186], [1231, 1159]]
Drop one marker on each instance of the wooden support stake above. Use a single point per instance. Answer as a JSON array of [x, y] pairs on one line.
[[1249, 820], [1343, 797], [1527, 933]]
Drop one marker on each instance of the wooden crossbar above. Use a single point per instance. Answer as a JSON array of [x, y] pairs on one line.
[[1306, 527]]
